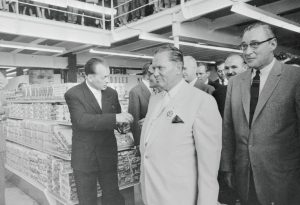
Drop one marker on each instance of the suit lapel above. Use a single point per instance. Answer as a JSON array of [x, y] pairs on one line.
[[268, 89], [245, 91], [174, 106], [106, 100], [145, 91], [90, 98]]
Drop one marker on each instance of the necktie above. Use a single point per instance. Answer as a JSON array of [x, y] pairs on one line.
[[222, 81], [254, 92]]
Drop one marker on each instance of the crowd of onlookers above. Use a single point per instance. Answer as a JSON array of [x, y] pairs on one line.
[[127, 11]]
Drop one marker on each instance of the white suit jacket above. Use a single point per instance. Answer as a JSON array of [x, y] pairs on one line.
[[180, 161]]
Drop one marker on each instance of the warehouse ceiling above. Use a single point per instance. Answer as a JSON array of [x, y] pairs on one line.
[[203, 21]]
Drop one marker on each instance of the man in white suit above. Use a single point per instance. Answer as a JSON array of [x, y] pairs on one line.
[[181, 139]]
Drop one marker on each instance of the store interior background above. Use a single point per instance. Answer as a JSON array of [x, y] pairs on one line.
[[191, 25]]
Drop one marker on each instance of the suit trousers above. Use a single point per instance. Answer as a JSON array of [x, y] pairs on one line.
[[86, 184], [2, 178], [252, 196]]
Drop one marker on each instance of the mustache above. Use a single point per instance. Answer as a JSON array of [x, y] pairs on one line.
[[231, 74]]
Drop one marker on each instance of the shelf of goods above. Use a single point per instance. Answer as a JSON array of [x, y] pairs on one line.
[[39, 141]]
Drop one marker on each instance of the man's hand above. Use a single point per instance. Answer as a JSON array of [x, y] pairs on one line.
[[124, 118], [228, 178]]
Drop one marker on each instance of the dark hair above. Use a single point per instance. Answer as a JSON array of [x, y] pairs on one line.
[[266, 27], [146, 68], [89, 67], [219, 62], [175, 54]]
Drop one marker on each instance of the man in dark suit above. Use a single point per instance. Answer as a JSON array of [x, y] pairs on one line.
[[234, 65], [190, 76], [138, 103], [95, 113], [261, 128], [220, 65]]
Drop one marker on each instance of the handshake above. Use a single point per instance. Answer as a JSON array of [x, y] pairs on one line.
[[123, 122]]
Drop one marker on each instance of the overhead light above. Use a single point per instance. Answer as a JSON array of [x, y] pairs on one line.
[[91, 7], [26, 69], [209, 62], [11, 69], [10, 77], [7, 67], [17, 45], [120, 54], [267, 17], [159, 38], [12, 73], [60, 3]]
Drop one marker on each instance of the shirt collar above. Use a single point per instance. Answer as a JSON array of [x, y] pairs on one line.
[[266, 70], [94, 91], [193, 82], [175, 89], [147, 84]]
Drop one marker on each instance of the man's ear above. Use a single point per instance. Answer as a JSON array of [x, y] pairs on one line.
[[273, 44], [179, 67]]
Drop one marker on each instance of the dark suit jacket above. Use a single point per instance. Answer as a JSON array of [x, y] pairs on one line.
[[202, 86], [216, 84], [138, 105], [93, 127], [272, 145], [220, 96]]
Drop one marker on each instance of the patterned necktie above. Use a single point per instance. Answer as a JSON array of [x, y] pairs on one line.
[[254, 92]]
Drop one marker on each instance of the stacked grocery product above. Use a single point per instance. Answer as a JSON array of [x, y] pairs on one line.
[[56, 175], [45, 136]]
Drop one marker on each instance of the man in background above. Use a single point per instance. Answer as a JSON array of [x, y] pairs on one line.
[[261, 135], [138, 103], [190, 76], [181, 139], [220, 66], [3, 82], [234, 64], [95, 113]]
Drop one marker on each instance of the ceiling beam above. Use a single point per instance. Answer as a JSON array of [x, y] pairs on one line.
[[277, 7], [37, 41], [33, 61], [43, 28]]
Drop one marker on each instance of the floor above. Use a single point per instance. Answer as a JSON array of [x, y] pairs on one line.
[[14, 196]]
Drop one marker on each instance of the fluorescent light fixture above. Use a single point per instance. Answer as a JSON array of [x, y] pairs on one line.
[[267, 17], [17, 45], [7, 67], [10, 69], [9, 77], [209, 62], [60, 3], [113, 53], [159, 38], [12, 73], [26, 69], [91, 7]]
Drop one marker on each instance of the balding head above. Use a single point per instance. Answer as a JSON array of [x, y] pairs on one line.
[[189, 68], [234, 65]]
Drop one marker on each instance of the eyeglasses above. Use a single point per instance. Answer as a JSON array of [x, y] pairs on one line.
[[254, 44]]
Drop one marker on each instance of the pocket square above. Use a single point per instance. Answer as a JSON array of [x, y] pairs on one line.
[[177, 119]]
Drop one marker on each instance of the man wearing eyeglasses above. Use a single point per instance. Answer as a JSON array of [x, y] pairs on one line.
[[261, 128]]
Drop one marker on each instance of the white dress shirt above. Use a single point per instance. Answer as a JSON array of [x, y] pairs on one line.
[[264, 73], [192, 83], [147, 84], [96, 93]]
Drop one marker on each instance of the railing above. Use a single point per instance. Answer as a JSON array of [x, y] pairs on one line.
[[73, 11]]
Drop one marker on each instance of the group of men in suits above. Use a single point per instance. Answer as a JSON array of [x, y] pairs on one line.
[[182, 134]]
